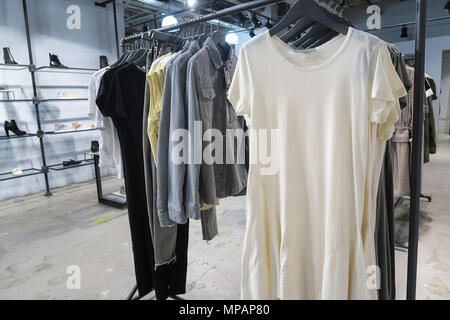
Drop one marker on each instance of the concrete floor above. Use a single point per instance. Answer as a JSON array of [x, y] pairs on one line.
[[40, 237]]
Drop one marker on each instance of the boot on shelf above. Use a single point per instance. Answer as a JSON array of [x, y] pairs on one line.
[[54, 61], [12, 126], [7, 56], [103, 62]]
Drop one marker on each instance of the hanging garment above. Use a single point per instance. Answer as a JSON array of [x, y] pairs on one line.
[[401, 145], [384, 227], [170, 244], [156, 78], [121, 98], [109, 145], [208, 79], [171, 174], [429, 125], [310, 224]]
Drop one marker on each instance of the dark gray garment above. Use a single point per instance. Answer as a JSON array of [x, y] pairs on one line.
[[209, 223], [207, 83], [384, 227], [384, 230], [164, 239], [400, 67], [171, 175]]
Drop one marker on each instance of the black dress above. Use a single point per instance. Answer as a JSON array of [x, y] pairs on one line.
[[121, 97]]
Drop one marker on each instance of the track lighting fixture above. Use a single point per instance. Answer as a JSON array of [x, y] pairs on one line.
[[447, 6], [255, 21], [268, 24], [252, 32]]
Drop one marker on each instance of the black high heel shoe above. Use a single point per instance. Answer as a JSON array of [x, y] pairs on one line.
[[7, 56], [54, 61], [12, 126]]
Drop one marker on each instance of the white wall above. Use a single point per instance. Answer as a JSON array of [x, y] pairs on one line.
[[444, 119], [76, 48]]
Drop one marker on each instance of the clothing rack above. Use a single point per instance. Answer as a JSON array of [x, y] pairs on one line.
[[221, 13], [416, 162]]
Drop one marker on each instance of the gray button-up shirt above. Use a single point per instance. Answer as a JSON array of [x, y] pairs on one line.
[[208, 80], [171, 175]]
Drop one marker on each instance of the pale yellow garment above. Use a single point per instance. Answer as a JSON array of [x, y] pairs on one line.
[[154, 92], [155, 78]]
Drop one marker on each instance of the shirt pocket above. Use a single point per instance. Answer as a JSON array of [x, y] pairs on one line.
[[207, 94]]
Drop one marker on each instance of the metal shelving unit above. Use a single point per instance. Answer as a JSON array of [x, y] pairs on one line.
[[45, 169], [25, 173], [63, 69]]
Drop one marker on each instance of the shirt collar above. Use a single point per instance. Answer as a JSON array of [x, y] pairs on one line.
[[186, 45], [215, 53], [194, 46]]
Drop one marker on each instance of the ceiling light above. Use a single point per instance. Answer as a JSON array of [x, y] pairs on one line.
[[191, 3], [168, 21], [232, 38]]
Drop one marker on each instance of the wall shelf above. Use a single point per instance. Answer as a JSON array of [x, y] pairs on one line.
[[63, 99], [43, 100], [18, 137], [61, 167], [25, 173], [70, 131], [16, 100], [5, 66], [65, 70]]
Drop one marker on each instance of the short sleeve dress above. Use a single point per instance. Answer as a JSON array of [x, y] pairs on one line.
[[319, 122]]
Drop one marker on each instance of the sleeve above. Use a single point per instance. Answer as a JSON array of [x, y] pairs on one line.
[[192, 183], [162, 177], [239, 93], [386, 90]]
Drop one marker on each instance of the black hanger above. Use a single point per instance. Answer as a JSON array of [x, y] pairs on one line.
[[219, 39], [121, 59], [324, 38], [300, 26], [315, 33], [314, 11], [165, 37]]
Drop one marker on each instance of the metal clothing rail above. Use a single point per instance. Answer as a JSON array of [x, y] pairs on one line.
[[221, 13], [419, 82]]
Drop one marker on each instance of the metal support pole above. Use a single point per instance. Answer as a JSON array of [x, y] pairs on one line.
[[115, 30], [36, 105], [103, 4], [417, 139], [98, 178]]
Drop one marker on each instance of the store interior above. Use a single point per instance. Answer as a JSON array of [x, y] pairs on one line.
[[64, 210]]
